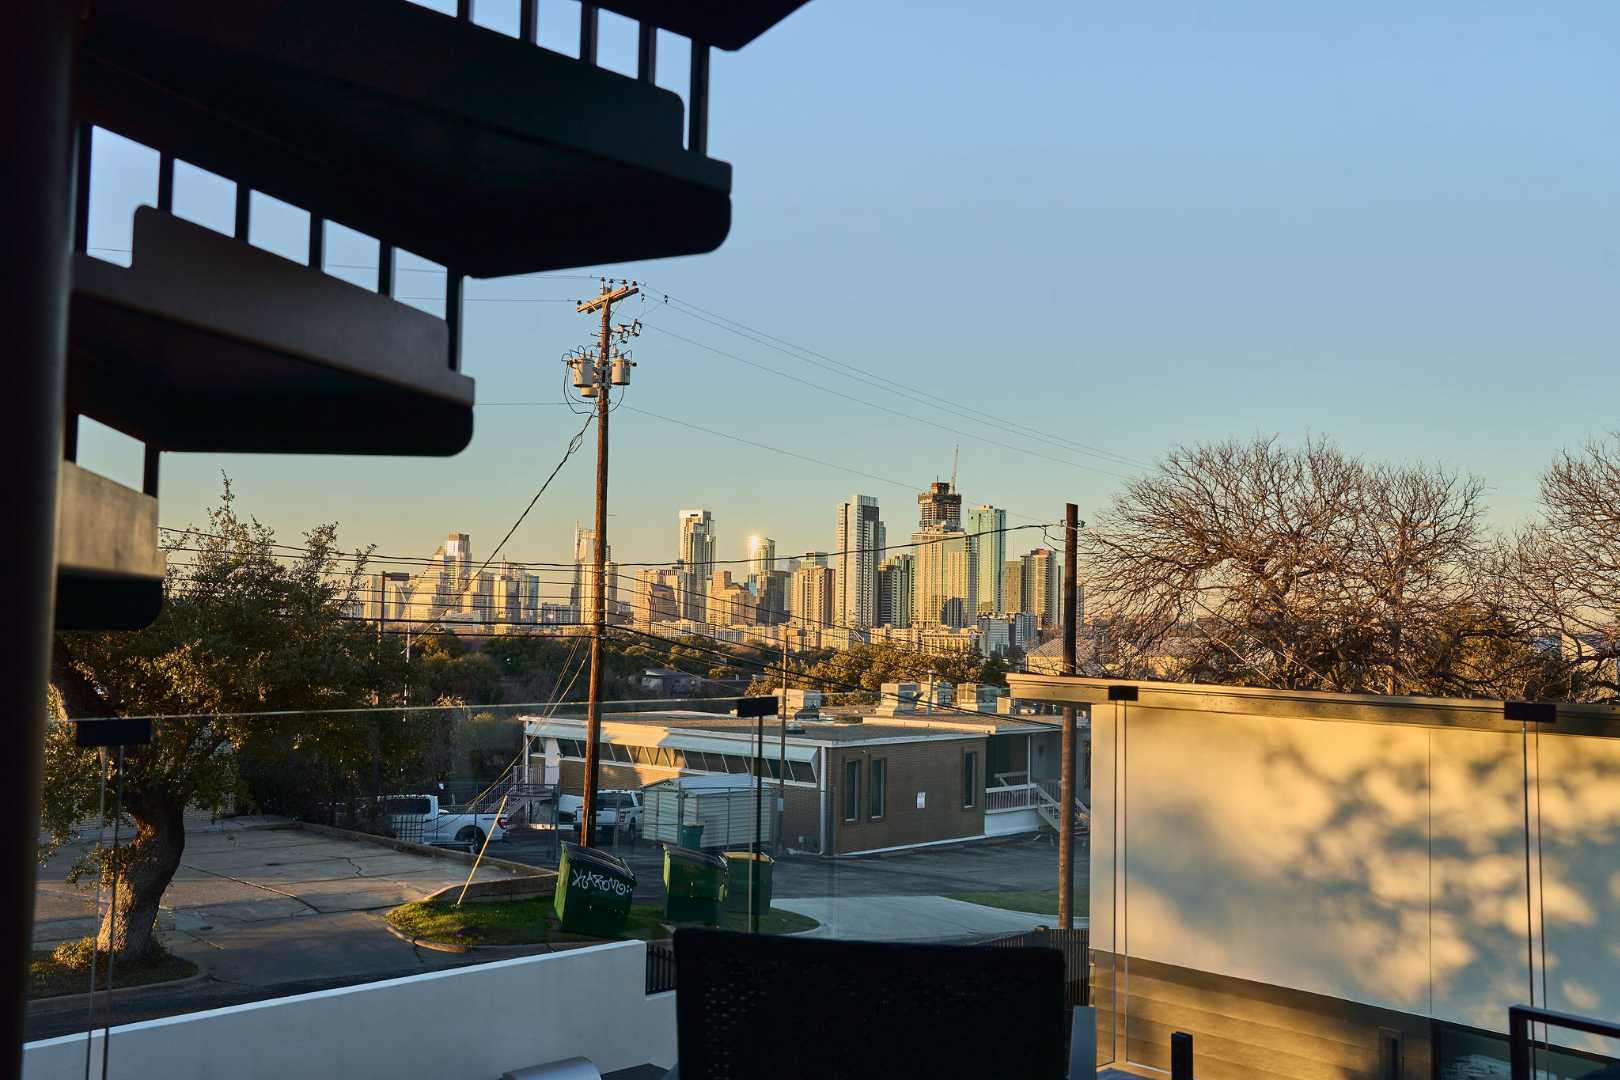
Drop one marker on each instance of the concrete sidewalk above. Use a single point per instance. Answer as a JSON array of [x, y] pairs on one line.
[[910, 918]]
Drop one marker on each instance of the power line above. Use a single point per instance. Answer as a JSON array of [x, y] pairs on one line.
[[882, 408], [851, 371], [912, 487], [768, 667], [573, 445], [426, 624], [414, 560]]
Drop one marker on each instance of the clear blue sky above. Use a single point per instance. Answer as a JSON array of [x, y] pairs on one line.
[[1129, 225]]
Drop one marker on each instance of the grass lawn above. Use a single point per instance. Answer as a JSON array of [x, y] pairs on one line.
[[66, 970], [774, 921], [532, 921], [1036, 902]]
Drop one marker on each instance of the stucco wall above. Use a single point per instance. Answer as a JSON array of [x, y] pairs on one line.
[[1389, 864], [472, 1022]]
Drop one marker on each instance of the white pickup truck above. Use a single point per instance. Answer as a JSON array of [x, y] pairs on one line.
[[610, 804], [420, 818]]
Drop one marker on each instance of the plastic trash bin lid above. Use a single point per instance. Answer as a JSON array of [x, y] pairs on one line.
[[692, 855], [601, 860]]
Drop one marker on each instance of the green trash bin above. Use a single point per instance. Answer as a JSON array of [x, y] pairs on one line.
[[692, 835], [593, 891], [694, 885], [737, 865]]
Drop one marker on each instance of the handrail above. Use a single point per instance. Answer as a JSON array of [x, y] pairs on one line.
[[1520, 1018], [1009, 797]]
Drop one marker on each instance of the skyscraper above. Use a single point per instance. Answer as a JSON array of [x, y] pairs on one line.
[[859, 536], [1012, 586], [761, 555], [582, 591], [730, 604], [940, 507], [991, 551], [697, 559], [1042, 587], [812, 595], [896, 590], [771, 592], [654, 596], [946, 575]]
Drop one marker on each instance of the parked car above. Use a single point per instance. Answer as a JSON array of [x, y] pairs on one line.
[[420, 818], [611, 805]]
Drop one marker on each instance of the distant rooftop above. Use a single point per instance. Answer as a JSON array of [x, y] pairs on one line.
[[841, 728]]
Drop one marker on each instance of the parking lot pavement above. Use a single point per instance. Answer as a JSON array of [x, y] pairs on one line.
[[260, 904], [1025, 863]]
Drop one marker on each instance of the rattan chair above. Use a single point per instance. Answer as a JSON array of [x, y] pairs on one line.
[[778, 1008]]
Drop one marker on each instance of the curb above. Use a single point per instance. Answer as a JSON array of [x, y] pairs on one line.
[[538, 948], [84, 996], [410, 847]]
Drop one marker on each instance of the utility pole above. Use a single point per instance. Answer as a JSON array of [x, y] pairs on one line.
[[594, 378], [1071, 536]]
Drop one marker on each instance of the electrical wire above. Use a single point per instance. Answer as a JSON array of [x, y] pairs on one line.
[[882, 408], [769, 666], [413, 560], [573, 445], [887, 385]]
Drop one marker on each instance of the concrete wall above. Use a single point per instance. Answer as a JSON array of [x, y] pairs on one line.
[[470, 1023]]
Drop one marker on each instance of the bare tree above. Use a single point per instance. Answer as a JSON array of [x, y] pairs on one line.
[[1560, 576], [1253, 563]]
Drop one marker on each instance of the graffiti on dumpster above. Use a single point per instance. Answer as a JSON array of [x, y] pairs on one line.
[[590, 879]]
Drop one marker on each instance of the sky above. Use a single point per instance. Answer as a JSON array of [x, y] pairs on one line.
[[1096, 231]]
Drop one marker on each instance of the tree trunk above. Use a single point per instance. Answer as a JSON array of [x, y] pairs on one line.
[[147, 863], [146, 866]]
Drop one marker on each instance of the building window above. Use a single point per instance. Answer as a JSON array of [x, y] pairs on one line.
[[970, 779], [880, 774], [852, 791]]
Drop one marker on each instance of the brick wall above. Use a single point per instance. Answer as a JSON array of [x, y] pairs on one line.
[[932, 768]]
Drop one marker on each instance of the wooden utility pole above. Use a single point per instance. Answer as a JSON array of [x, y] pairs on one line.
[[602, 383], [1071, 530]]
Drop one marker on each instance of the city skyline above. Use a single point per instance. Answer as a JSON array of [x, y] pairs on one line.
[[1200, 332], [946, 586]]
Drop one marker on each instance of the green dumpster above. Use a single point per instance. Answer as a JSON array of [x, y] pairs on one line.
[[694, 885], [737, 864], [692, 835], [593, 891]]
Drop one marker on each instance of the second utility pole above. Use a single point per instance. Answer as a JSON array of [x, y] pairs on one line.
[[1066, 792], [593, 708]]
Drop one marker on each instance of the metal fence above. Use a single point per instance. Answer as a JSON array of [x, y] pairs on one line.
[[1075, 945], [660, 967]]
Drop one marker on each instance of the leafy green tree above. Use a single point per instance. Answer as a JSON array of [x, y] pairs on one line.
[[243, 633], [868, 667]]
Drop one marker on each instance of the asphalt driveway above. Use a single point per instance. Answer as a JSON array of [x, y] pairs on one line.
[[261, 907]]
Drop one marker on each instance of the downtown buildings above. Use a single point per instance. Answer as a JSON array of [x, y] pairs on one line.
[[954, 584], [696, 557], [858, 547]]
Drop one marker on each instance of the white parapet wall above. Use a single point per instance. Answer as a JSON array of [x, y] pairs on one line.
[[470, 1023]]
